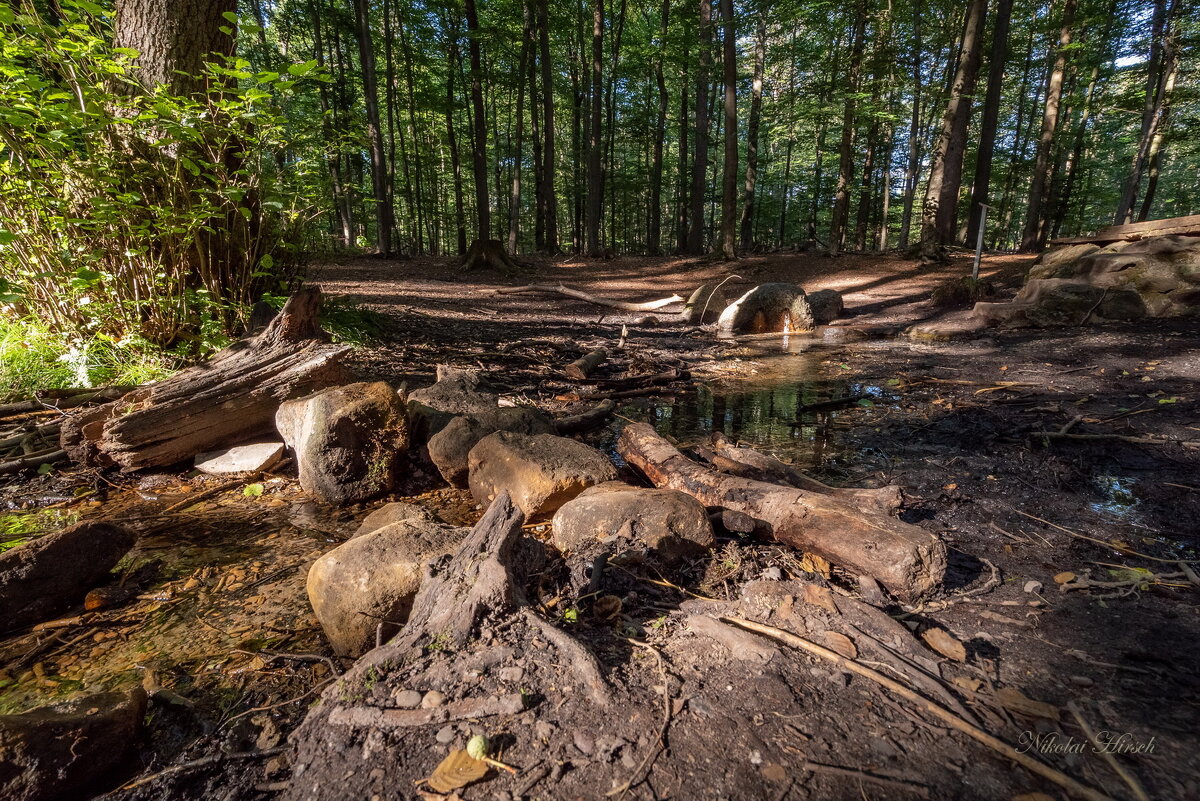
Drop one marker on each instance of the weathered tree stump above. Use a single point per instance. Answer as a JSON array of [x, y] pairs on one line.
[[906, 560], [230, 398], [489, 253]]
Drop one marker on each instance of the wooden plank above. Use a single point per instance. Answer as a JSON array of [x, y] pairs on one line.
[[1139, 230]]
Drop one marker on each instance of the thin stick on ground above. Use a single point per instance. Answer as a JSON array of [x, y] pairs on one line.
[[952, 720], [1115, 547], [204, 762], [1130, 780], [648, 760]]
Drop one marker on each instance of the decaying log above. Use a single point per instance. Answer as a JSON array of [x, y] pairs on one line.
[[587, 420], [907, 560], [885, 500], [582, 367], [650, 305], [230, 398], [33, 461]]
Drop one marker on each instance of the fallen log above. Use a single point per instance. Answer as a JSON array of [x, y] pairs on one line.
[[907, 560], [582, 367], [230, 398], [885, 500], [650, 305], [586, 420]]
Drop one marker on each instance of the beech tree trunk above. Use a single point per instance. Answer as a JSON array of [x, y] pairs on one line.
[[905, 559], [654, 221], [594, 177], [695, 238], [756, 90], [379, 167], [1033, 236], [940, 212], [998, 57], [483, 209], [841, 203], [729, 176], [549, 200]]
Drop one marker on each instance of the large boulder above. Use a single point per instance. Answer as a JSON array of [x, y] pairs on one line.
[[449, 447], [72, 750], [826, 305], [540, 472], [373, 578], [389, 513], [768, 309], [456, 392], [672, 523], [347, 440], [705, 304], [1154, 277], [54, 572]]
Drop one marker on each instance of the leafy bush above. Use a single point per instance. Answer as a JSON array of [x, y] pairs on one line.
[[131, 217]]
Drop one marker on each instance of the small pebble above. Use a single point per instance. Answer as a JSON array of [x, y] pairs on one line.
[[445, 735], [407, 699], [1082, 681], [511, 674], [772, 574], [584, 743], [433, 698]]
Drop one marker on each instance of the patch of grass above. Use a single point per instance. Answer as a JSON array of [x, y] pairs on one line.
[[17, 528], [32, 358], [344, 319]]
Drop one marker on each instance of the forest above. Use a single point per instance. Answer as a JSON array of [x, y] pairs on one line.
[[627, 399]]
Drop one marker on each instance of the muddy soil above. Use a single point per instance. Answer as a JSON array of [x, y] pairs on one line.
[[222, 618]]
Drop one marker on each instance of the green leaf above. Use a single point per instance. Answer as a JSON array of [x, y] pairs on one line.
[[253, 490], [867, 402], [45, 468], [266, 262], [302, 69]]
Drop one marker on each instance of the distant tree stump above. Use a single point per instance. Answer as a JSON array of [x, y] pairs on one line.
[[485, 253]]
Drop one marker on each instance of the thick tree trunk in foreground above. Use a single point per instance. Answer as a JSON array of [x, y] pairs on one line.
[[174, 40], [483, 210], [230, 398], [905, 559]]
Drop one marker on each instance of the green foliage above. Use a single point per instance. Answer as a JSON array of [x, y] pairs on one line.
[[19, 527], [33, 357], [130, 214]]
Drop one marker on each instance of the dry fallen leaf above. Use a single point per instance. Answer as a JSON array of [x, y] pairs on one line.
[[1032, 586], [1064, 577], [457, 770], [967, 683], [836, 641], [811, 563], [820, 596], [1016, 701], [945, 644]]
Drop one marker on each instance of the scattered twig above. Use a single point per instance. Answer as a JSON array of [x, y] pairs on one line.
[[211, 491], [204, 762], [1105, 543], [33, 460], [954, 721], [650, 305], [836, 770], [1130, 780], [648, 760]]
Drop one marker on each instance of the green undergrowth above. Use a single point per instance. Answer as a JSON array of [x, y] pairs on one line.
[[33, 358], [17, 528]]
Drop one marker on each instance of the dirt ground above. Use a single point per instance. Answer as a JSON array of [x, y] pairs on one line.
[[1065, 583]]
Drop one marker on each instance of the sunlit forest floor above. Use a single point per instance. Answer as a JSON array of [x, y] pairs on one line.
[[1030, 522]]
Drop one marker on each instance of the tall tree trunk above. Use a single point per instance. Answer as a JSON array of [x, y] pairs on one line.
[[379, 167], [479, 149], [549, 199], [333, 161], [1158, 127], [594, 177], [414, 136], [1154, 71], [460, 219], [841, 203], [682, 204], [940, 212], [654, 221], [756, 87], [175, 40], [914, 133], [729, 178], [1035, 229], [998, 56], [695, 238], [514, 203]]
